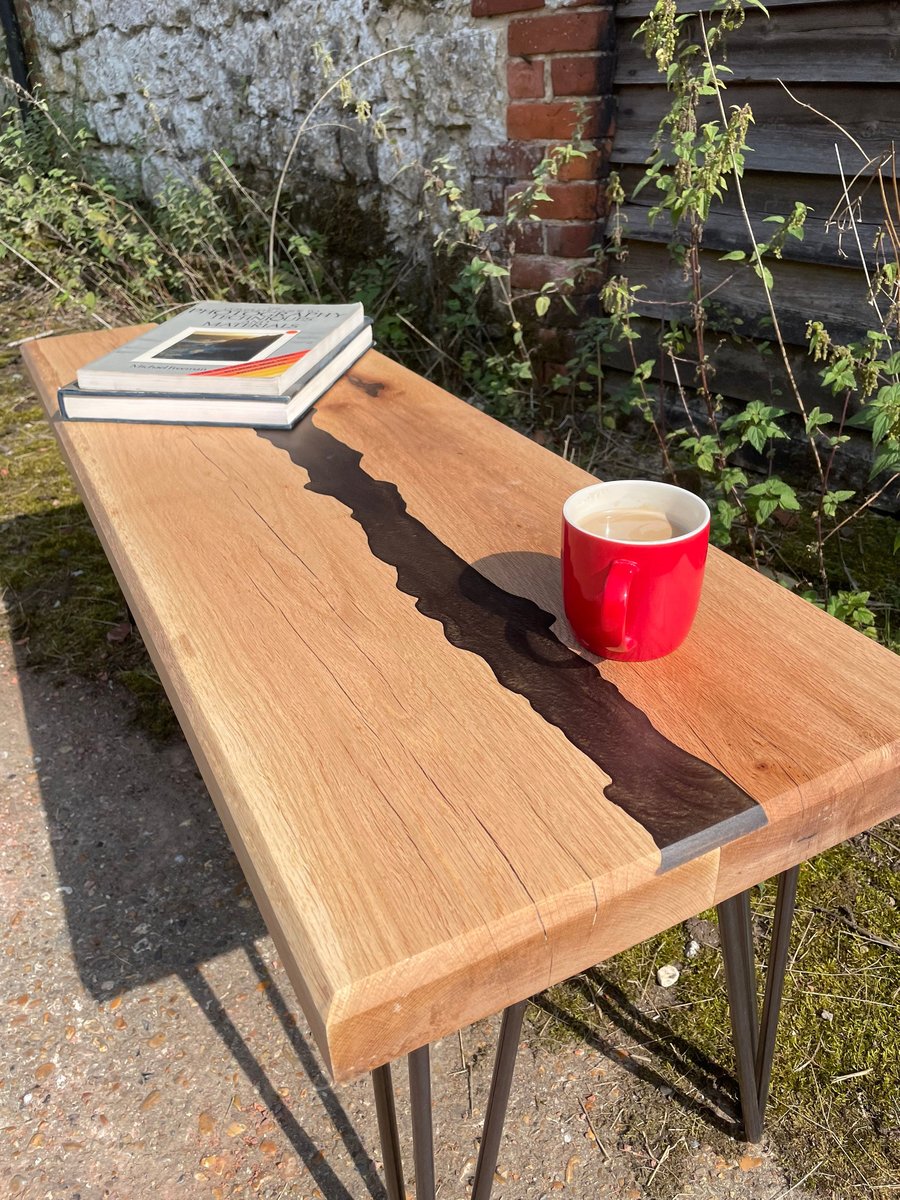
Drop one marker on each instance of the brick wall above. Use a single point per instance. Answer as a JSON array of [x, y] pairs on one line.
[[560, 55]]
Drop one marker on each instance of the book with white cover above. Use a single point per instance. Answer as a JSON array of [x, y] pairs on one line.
[[271, 412], [220, 347]]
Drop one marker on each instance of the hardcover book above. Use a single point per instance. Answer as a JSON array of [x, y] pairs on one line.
[[169, 408], [221, 348]]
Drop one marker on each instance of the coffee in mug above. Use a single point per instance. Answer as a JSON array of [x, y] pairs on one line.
[[632, 524], [632, 557]]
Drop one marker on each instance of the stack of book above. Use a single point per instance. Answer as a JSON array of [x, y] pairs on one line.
[[223, 364]]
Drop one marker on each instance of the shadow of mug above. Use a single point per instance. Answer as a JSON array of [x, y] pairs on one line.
[[537, 577]]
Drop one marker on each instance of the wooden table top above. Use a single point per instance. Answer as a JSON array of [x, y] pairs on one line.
[[441, 804]]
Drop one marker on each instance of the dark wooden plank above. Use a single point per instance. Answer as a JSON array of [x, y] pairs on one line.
[[746, 371], [769, 193], [839, 43], [785, 137], [864, 109], [772, 150], [725, 230], [829, 236], [802, 292], [640, 8]]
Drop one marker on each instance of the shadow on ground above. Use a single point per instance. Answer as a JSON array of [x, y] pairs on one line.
[[715, 1090], [151, 888]]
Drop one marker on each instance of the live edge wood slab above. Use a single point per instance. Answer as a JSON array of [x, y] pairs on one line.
[[441, 804]]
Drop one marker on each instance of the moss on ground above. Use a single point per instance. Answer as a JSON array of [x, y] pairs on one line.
[[63, 606], [859, 556], [835, 1101]]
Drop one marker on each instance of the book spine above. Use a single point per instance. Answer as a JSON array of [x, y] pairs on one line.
[[61, 401]]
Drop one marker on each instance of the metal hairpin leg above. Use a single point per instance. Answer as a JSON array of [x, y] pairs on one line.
[[420, 1103], [423, 1139], [754, 1040], [386, 1112], [495, 1114], [423, 1134]]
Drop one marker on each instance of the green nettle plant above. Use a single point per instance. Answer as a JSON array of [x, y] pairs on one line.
[[206, 236], [692, 164], [503, 377]]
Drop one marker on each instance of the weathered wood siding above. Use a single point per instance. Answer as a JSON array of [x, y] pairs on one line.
[[838, 57]]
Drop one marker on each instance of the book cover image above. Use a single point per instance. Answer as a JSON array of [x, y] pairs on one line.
[[250, 352]]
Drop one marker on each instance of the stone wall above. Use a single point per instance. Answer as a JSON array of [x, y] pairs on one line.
[[491, 83]]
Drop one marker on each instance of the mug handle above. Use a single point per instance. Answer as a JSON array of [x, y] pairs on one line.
[[614, 603]]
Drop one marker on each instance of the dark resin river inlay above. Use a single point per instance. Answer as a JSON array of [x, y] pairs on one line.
[[685, 804]]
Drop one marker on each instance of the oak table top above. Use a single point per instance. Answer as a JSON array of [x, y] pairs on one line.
[[441, 803]]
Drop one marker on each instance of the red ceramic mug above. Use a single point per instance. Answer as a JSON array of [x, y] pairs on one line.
[[633, 553]]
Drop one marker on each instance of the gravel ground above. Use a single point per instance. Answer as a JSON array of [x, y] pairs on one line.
[[151, 1042]]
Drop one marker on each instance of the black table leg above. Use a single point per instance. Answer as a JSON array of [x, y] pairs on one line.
[[754, 1040], [386, 1112], [420, 1103], [495, 1114], [778, 956], [423, 1134], [423, 1139]]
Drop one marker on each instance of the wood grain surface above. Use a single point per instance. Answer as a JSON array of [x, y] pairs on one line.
[[441, 803]]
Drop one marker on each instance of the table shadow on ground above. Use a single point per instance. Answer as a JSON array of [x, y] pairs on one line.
[[715, 1089], [151, 888]]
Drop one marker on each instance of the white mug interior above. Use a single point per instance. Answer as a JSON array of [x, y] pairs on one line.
[[683, 508]]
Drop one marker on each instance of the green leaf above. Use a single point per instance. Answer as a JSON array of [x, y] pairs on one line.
[[645, 369], [541, 305], [852, 608], [864, 419], [816, 420], [787, 497], [881, 426], [494, 270], [897, 541], [732, 477], [26, 183], [831, 500], [723, 517], [887, 460], [733, 256], [771, 494]]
